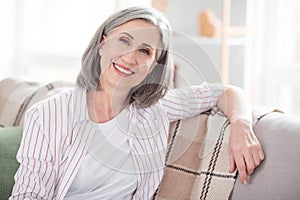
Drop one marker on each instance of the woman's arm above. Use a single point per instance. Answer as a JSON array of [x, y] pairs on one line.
[[183, 103], [36, 175], [245, 151]]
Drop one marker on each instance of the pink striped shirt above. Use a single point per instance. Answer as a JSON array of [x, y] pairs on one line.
[[58, 130]]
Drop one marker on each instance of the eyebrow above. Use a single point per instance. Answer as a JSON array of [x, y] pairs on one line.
[[145, 44], [125, 33]]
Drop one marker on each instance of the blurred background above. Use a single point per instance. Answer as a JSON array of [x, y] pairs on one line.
[[251, 44]]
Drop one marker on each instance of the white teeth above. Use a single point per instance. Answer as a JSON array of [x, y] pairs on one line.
[[123, 70]]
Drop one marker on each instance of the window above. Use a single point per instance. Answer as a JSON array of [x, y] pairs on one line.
[[45, 39], [54, 34], [7, 40], [277, 48]]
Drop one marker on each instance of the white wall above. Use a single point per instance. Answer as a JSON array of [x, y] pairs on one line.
[[7, 37]]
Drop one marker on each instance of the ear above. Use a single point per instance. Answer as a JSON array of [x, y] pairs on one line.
[[101, 45]]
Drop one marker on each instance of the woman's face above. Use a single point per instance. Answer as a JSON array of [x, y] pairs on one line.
[[128, 54]]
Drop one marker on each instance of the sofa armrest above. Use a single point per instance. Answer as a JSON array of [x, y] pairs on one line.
[[10, 138], [279, 174]]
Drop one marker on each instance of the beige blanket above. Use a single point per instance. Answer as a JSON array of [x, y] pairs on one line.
[[197, 161], [16, 96]]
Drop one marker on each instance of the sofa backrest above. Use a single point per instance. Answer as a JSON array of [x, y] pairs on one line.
[[16, 96]]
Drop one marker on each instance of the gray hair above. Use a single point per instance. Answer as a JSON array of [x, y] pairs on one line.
[[156, 83]]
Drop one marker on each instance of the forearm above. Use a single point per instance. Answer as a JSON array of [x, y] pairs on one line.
[[245, 151], [235, 104]]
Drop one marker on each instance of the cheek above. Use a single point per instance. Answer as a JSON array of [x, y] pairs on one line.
[[110, 51], [147, 62], [145, 70]]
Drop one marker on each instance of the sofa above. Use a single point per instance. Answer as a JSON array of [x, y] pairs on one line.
[[276, 178]]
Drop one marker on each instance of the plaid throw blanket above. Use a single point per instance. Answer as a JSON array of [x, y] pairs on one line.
[[197, 161], [16, 96]]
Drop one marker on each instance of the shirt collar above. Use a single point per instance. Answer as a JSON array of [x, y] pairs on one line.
[[79, 105]]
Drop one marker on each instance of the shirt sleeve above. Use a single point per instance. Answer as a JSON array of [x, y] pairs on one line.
[[187, 102], [35, 177]]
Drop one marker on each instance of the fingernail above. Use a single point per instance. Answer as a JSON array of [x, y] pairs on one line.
[[245, 182]]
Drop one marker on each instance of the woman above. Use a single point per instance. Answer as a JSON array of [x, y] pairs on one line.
[[107, 138]]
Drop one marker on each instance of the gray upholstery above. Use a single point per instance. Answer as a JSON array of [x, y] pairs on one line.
[[278, 177]]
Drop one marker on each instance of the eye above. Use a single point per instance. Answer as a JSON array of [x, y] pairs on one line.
[[124, 41], [145, 51]]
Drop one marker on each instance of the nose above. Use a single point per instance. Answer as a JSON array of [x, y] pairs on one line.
[[129, 58]]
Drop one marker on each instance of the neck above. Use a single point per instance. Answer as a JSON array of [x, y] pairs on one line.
[[105, 104]]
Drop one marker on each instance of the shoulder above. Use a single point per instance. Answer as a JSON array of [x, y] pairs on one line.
[[59, 98], [54, 105]]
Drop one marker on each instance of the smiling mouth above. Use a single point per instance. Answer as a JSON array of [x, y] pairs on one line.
[[123, 70]]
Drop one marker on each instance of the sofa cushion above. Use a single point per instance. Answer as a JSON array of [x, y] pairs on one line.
[[10, 138]]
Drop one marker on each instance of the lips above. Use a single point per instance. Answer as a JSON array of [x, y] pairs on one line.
[[123, 71]]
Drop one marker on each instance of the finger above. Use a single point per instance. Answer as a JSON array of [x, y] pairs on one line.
[[232, 163], [261, 154], [250, 163], [241, 166], [256, 158]]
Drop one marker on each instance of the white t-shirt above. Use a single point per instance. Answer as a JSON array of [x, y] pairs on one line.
[[108, 174]]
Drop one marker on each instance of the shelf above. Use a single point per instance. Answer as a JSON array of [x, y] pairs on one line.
[[228, 37], [232, 41]]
